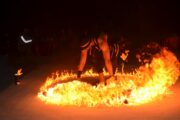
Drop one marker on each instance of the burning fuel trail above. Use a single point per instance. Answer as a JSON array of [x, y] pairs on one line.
[[148, 83]]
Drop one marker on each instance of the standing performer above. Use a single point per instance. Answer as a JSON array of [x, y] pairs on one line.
[[98, 49]]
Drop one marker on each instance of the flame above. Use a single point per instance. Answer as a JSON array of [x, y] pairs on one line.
[[148, 83], [19, 72], [124, 55]]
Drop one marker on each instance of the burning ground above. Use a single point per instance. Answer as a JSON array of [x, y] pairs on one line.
[[148, 83]]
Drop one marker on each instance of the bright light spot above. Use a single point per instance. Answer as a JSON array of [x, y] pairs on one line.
[[25, 41]]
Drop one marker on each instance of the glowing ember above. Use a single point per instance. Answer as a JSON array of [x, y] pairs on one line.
[[148, 83], [19, 72]]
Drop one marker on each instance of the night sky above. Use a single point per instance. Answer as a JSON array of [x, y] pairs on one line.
[[128, 17]]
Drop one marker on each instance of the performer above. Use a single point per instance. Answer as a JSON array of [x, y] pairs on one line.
[[98, 49]]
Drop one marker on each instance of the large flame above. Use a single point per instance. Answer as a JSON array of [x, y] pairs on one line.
[[148, 83]]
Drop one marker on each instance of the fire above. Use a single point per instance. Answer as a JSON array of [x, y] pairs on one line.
[[148, 83], [124, 55], [19, 72]]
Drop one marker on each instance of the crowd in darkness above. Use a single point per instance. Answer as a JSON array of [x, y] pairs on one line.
[[43, 43], [65, 40]]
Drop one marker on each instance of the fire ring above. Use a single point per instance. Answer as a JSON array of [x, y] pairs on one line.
[[148, 83]]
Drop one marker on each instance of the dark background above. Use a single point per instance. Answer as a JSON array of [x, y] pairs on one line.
[[56, 28], [129, 17], [140, 20]]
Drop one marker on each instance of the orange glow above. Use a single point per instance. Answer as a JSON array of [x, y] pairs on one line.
[[148, 83], [124, 55], [19, 72]]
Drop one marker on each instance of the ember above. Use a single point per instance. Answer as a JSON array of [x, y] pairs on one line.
[[17, 76], [19, 72], [148, 83]]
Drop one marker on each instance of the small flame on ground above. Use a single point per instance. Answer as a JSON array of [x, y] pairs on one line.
[[19, 72], [148, 83]]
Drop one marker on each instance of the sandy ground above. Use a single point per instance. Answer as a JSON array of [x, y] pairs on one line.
[[20, 103]]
